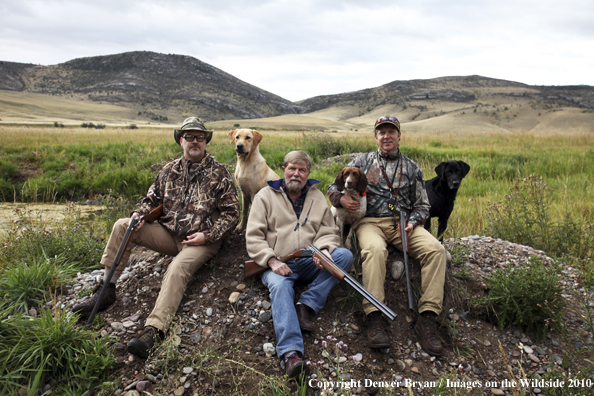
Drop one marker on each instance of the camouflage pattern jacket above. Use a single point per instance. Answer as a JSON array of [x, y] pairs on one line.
[[412, 196], [193, 195]]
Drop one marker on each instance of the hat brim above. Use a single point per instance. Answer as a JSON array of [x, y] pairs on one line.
[[387, 122]]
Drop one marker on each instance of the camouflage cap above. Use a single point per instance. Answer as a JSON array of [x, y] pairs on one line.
[[191, 124], [387, 120]]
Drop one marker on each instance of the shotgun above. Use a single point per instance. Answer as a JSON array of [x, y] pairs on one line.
[[149, 217], [252, 269], [342, 275], [404, 239]]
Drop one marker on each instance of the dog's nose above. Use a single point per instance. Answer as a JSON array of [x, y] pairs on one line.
[[240, 146]]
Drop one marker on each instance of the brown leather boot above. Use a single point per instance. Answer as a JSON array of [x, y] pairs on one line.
[[304, 316], [87, 307], [376, 337], [427, 332], [143, 345], [295, 366]]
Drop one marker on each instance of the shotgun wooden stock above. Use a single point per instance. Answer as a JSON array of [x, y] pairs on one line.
[[252, 269]]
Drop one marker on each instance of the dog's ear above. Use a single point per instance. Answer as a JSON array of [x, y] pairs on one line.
[[257, 137], [362, 183], [232, 135], [339, 181], [465, 168], [440, 169]]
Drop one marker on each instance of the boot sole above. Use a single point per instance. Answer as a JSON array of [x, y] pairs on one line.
[[379, 346], [82, 312], [298, 370]]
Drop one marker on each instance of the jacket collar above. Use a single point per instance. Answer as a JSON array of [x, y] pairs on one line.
[[202, 164]]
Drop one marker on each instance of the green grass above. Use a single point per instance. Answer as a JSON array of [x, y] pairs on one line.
[[36, 349], [59, 164]]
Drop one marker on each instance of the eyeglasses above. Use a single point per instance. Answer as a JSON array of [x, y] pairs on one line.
[[191, 138], [387, 119]]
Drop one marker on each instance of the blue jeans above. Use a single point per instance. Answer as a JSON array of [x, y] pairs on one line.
[[286, 324]]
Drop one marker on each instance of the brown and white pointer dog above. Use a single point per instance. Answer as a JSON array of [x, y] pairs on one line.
[[352, 181]]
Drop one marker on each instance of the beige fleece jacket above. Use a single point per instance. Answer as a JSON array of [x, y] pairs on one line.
[[272, 225]]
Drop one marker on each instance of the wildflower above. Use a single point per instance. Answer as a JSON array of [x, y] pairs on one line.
[[316, 341], [324, 343], [308, 362]]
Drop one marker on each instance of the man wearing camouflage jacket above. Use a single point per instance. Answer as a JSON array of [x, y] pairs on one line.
[[379, 228], [200, 207]]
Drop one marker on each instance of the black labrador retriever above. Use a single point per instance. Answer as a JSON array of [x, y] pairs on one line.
[[442, 191]]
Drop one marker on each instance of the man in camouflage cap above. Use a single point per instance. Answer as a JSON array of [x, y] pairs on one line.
[[200, 207], [395, 182]]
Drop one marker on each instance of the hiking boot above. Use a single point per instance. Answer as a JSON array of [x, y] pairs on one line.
[[143, 345], [376, 337], [427, 332], [303, 315], [108, 299], [295, 366]]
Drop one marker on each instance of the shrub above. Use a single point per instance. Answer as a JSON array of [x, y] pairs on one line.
[[34, 349], [132, 126], [27, 284], [523, 217], [528, 298]]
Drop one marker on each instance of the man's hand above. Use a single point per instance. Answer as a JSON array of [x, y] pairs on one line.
[[139, 225], [278, 267], [317, 260], [349, 203], [196, 239], [408, 229]]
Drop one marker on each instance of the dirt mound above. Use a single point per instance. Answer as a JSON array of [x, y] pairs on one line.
[[215, 346]]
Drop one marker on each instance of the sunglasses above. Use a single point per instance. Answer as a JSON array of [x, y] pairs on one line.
[[387, 119], [191, 138]]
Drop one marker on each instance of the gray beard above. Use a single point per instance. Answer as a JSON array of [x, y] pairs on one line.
[[294, 188]]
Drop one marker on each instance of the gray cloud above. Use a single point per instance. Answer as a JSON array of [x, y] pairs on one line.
[[308, 48]]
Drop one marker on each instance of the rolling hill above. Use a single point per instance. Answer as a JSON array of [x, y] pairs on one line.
[[146, 87]]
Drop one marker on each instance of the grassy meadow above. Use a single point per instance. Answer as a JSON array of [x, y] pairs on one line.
[[45, 164]]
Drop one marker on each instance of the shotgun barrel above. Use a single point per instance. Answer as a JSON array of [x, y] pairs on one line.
[[152, 216], [342, 275], [404, 239]]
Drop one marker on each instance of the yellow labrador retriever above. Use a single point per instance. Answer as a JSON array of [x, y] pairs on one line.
[[251, 172]]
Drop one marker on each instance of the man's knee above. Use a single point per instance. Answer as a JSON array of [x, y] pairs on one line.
[[120, 224], [374, 250], [343, 258], [276, 283]]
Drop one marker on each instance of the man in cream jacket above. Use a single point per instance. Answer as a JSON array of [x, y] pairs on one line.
[[287, 215]]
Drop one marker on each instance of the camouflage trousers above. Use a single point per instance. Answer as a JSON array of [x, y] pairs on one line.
[[188, 259], [374, 234]]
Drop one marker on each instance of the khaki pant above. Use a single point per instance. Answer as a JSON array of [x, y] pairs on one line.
[[374, 234], [188, 259]]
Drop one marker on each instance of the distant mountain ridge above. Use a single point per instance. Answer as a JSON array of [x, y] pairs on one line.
[[159, 86], [165, 88], [451, 89]]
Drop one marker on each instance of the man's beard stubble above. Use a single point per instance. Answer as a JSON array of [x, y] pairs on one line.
[[294, 185]]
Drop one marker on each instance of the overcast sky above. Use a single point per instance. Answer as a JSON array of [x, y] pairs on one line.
[[298, 49]]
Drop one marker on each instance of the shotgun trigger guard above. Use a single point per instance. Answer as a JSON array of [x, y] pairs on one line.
[[134, 223]]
